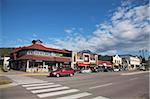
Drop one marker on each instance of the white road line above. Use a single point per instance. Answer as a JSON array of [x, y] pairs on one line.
[[101, 86], [48, 90], [75, 96], [57, 93], [31, 85], [32, 82], [133, 78], [40, 87], [100, 97]]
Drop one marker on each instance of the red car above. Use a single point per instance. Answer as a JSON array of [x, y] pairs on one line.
[[62, 72]]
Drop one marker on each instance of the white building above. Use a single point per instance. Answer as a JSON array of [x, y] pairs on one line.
[[133, 62], [117, 61], [4, 61]]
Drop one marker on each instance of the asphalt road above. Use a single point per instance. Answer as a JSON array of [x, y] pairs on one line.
[[111, 85]]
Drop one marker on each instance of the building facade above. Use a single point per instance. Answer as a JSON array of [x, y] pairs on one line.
[[105, 61], [117, 62], [131, 62], [84, 59], [4, 62], [39, 58]]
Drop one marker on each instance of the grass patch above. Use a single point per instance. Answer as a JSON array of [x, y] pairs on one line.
[[1, 68], [2, 82]]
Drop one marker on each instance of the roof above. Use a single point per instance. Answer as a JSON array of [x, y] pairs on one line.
[[40, 47], [34, 57], [16, 49], [87, 51]]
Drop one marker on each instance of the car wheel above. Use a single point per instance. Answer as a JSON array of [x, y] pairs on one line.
[[71, 75], [57, 75]]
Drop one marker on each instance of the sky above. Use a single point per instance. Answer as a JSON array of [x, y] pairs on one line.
[[102, 26]]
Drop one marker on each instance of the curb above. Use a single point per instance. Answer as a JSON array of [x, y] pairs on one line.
[[33, 74], [24, 74]]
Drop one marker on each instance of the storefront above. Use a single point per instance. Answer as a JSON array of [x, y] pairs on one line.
[[38, 58], [84, 59]]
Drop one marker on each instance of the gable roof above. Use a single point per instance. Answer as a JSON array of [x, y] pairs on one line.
[[40, 47]]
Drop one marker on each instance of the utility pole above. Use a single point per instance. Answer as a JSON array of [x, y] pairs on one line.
[[143, 52]]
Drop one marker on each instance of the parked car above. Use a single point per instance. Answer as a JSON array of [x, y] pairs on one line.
[[95, 69], [106, 69], [116, 69], [86, 70], [142, 68], [62, 72]]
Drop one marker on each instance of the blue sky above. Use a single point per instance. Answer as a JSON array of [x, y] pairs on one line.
[[97, 25]]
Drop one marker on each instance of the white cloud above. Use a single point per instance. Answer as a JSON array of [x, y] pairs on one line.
[[19, 40], [34, 35], [69, 31], [127, 30]]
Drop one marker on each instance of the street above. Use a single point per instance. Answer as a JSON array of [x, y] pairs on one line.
[[102, 85]]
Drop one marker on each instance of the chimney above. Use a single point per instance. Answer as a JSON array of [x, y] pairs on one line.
[[37, 41]]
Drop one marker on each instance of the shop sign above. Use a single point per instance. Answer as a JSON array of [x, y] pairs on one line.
[[38, 60]]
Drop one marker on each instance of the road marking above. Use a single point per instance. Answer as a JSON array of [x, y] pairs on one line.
[[133, 78], [100, 97], [134, 73], [75, 96], [48, 90], [31, 85], [57, 93], [31, 82], [25, 80], [40, 87], [101, 86]]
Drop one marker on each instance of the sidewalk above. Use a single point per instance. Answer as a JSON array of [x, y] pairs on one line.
[[21, 73]]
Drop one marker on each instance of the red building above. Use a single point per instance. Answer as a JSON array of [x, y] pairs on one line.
[[105, 63], [39, 58], [105, 60], [84, 59]]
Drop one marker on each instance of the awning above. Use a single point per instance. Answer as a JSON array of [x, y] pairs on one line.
[[105, 63], [82, 64], [34, 57]]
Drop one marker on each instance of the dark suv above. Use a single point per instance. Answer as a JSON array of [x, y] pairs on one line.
[[62, 72]]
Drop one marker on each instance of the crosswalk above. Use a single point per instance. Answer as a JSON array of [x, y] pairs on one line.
[[43, 89], [46, 89]]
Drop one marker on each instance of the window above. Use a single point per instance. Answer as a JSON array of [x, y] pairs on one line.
[[92, 58], [30, 53], [86, 58], [74, 58], [81, 57]]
